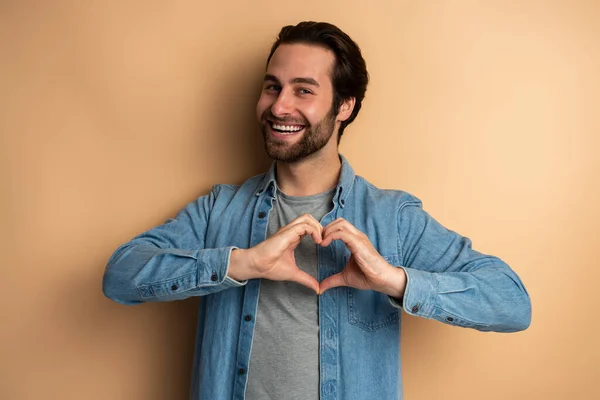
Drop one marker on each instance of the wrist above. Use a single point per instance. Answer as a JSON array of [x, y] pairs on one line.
[[239, 265], [396, 283]]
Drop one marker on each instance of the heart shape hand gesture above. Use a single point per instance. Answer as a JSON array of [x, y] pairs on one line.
[[274, 259]]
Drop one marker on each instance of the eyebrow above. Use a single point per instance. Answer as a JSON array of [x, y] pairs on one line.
[[305, 80]]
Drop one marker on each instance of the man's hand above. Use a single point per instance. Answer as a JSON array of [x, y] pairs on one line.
[[274, 259], [366, 268]]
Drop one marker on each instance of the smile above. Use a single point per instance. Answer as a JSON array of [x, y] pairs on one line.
[[286, 129]]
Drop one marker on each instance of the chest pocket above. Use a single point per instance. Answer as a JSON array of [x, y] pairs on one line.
[[371, 310]]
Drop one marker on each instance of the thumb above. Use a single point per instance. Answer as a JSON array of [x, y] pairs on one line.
[[305, 279], [333, 281]]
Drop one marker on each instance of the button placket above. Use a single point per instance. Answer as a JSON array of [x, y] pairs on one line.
[[250, 302], [329, 321]]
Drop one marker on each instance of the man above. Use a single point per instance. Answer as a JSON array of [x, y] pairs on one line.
[[333, 258]]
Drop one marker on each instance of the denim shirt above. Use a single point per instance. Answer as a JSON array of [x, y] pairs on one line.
[[358, 329]]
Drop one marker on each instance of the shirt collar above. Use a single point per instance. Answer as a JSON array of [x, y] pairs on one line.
[[343, 188]]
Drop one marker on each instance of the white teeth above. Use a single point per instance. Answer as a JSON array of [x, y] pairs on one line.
[[287, 128]]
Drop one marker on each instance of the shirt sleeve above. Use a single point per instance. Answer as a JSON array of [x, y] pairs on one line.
[[169, 262], [450, 282]]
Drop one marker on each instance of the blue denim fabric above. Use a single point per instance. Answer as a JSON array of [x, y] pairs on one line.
[[359, 330]]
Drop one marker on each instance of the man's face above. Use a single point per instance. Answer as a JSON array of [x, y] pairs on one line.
[[295, 108]]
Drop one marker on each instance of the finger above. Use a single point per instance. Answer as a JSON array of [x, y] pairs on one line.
[[306, 217], [336, 221], [340, 224], [294, 234], [332, 281], [331, 227], [305, 279], [333, 224], [317, 229], [318, 237], [347, 237], [310, 220]]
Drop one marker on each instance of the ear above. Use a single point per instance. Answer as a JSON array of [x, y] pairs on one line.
[[346, 109]]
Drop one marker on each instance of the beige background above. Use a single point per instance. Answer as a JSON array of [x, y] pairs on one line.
[[114, 116]]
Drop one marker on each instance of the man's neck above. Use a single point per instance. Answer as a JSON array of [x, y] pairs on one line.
[[309, 176]]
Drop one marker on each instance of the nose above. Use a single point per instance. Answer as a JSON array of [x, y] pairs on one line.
[[283, 105]]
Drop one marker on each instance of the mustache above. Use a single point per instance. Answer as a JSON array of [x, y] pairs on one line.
[[268, 116]]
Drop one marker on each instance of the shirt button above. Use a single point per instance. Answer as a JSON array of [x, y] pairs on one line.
[[242, 371], [261, 214], [214, 277], [248, 318], [174, 287], [415, 309], [330, 388]]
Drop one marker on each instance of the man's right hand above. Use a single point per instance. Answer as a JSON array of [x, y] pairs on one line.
[[274, 259]]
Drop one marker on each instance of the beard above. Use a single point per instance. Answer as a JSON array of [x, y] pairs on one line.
[[314, 138]]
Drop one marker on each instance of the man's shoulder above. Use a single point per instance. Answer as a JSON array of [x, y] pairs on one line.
[[249, 186], [396, 196]]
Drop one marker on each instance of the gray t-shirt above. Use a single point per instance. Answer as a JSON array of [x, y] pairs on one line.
[[284, 363]]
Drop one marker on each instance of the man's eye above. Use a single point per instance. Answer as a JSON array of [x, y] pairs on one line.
[[273, 88], [304, 91]]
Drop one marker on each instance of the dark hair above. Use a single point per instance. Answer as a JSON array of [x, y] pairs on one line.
[[349, 75]]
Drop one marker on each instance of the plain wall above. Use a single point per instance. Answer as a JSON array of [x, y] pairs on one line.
[[114, 115]]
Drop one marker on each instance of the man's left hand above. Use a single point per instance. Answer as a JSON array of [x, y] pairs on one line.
[[366, 268]]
